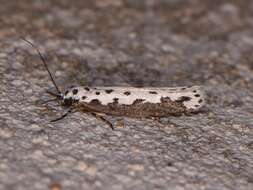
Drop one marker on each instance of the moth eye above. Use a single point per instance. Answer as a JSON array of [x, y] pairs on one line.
[[109, 91], [68, 101], [184, 98], [74, 91]]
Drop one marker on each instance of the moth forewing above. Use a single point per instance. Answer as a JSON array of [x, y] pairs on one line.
[[121, 100]]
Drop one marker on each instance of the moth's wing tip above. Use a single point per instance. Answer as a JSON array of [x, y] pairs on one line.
[[202, 96]]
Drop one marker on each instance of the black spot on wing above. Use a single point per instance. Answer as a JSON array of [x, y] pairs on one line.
[[200, 100], [152, 92], [197, 95], [127, 93], [115, 100], [87, 88], [97, 93], [95, 102], [184, 99], [74, 91], [138, 101], [109, 91], [84, 97]]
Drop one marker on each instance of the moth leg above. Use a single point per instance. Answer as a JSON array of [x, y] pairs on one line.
[[63, 116], [97, 116]]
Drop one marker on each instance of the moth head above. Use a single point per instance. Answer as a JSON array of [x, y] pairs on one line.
[[70, 96], [63, 98]]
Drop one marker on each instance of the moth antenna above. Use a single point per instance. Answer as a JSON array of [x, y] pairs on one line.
[[44, 63]]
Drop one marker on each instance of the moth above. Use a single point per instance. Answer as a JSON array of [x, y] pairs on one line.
[[148, 102]]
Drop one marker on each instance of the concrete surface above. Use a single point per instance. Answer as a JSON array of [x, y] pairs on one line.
[[127, 43]]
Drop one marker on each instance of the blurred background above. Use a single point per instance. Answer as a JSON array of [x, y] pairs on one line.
[[126, 43]]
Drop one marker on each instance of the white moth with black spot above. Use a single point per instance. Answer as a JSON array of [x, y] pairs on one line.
[[148, 102], [192, 98]]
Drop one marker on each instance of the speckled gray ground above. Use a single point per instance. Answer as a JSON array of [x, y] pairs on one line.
[[137, 43]]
